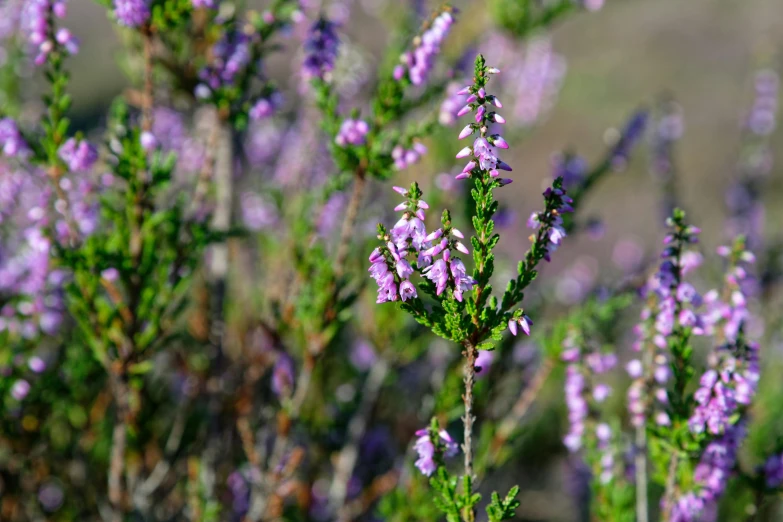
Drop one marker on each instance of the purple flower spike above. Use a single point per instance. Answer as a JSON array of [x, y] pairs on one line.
[[420, 60], [321, 50]]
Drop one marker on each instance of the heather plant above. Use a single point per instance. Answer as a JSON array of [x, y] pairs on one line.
[[189, 329]]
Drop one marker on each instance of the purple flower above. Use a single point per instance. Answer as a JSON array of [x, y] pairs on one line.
[[36, 364], [230, 57], [262, 109], [148, 141], [710, 476], [483, 362], [582, 390], [132, 13], [407, 291], [11, 140], [20, 389], [403, 158], [283, 375], [35, 24], [438, 273], [352, 132], [773, 471], [79, 156], [321, 50], [67, 40], [427, 450], [257, 212], [362, 355], [420, 60]]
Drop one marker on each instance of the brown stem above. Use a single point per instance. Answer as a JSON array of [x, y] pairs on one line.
[[671, 481], [471, 354], [116, 488], [349, 222]]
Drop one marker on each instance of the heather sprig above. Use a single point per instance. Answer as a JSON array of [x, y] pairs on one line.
[[463, 309], [418, 62], [232, 79]]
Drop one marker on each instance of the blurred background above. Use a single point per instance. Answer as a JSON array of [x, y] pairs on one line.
[[693, 67]]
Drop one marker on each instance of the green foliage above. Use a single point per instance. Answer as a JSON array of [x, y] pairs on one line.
[[505, 509]]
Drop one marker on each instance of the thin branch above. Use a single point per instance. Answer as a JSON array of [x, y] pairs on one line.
[[467, 446], [351, 213], [671, 481]]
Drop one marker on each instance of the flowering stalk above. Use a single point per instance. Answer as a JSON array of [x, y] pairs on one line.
[[464, 310], [726, 390]]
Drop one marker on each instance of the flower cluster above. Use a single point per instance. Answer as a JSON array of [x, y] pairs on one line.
[[404, 158], [418, 62], [584, 362], [36, 23], [409, 238], [11, 141], [264, 107], [732, 379], [431, 445], [26, 271], [321, 50], [482, 154], [551, 223], [352, 132], [670, 305], [230, 56], [711, 475], [171, 132], [78, 155], [132, 13]]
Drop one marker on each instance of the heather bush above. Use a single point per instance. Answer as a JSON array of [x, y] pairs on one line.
[[211, 308]]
